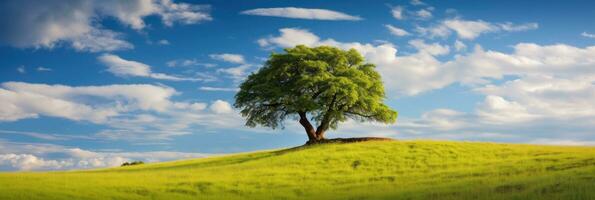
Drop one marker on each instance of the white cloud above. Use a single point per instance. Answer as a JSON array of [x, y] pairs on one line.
[[163, 42], [434, 31], [221, 107], [97, 40], [28, 23], [237, 73], [301, 13], [424, 14], [396, 31], [45, 136], [432, 49], [410, 75], [121, 67], [417, 2], [588, 35], [185, 63], [124, 68], [508, 26], [24, 100], [21, 69], [228, 57], [43, 69], [470, 29], [27, 162], [183, 13], [532, 109], [38, 156], [460, 46], [421, 71], [398, 12], [188, 62], [290, 37], [219, 89], [496, 109], [139, 112], [539, 97]]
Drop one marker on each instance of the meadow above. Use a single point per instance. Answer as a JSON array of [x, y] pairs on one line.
[[365, 170]]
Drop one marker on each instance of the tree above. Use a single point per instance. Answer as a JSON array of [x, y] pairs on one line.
[[325, 82]]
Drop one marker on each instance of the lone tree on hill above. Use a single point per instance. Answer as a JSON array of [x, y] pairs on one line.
[[327, 83]]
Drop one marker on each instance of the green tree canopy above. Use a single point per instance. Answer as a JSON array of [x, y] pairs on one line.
[[326, 83]]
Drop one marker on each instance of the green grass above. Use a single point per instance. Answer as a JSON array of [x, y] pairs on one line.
[[366, 170]]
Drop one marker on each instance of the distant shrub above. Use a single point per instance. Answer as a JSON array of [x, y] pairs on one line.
[[132, 163], [356, 164]]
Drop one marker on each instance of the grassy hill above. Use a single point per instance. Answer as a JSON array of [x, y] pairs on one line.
[[366, 170]]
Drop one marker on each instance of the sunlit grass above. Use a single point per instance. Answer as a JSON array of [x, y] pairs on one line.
[[367, 170]]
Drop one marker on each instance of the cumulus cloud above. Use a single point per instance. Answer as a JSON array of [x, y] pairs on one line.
[[539, 97], [532, 109], [396, 31], [290, 37], [398, 12], [419, 72], [141, 112], [124, 68], [220, 106], [228, 57], [424, 14], [471, 29], [29, 23], [39, 156], [301, 13], [25, 100], [432, 49]]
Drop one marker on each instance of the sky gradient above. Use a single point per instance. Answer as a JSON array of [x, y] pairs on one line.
[[97, 83]]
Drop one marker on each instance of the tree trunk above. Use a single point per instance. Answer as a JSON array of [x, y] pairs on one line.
[[320, 134], [322, 129], [312, 137], [325, 122]]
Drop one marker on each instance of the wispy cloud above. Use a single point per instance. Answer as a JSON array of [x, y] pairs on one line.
[[471, 29], [121, 67], [43, 69], [588, 35], [301, 13], [21, 69], [218, 89], [229, 57], [47, 136], [396, 31]]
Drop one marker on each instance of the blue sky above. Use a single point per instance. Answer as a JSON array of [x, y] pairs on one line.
[[96, 83]]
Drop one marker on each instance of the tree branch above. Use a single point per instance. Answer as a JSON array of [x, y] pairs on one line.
[[359, 114]]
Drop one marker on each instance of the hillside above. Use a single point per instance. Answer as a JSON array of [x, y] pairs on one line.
[[366, 170]]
